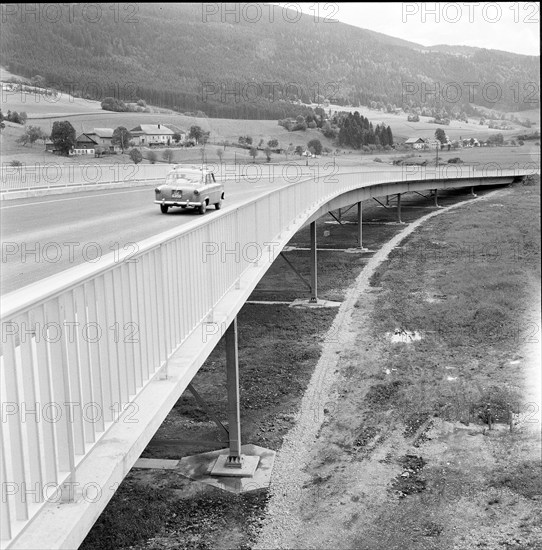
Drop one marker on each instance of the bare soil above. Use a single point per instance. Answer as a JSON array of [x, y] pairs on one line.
[[429, 444]]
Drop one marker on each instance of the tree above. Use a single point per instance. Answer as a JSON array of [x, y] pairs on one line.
[[136, 156], [328, 131], [38, 81], [114, 104], [31, 135], [167, 155], [151, 157], [176, 137], [245, 141], [440, 134], [219, 154], [288, 150], [63, 136], [273, 143], [195, 133], [121, 137], [253, 153], [315, 145], [299, 150], [267, 152]]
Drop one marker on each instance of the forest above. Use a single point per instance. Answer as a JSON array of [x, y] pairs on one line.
[[170, 55]]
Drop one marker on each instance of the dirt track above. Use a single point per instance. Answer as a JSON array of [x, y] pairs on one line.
[[366, 475]]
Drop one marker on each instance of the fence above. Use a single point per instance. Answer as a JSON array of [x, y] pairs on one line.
[[50, 175]]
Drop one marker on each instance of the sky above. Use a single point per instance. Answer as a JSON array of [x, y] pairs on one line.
[[508, 26]]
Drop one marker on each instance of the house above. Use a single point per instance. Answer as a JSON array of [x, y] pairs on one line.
[[176, 130], [103, 137], [99, 137], [50, 147], [433, 143], [152, 134], [84, 141], [415, 143]]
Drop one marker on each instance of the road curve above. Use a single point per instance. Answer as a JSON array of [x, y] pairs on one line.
[[43, 236]]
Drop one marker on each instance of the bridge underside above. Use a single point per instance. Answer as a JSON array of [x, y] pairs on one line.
[[65, 524], [366, 193]]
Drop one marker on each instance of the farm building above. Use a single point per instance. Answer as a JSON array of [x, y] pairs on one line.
[[415, 143], [98, 137], [152, 134]]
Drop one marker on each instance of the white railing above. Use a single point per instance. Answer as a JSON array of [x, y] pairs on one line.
[[48, 175], [79, 346]]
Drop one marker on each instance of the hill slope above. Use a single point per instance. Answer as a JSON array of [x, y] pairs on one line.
[[173, 56]]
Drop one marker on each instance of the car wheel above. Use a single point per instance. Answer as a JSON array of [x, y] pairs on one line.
[[202, 209], [164, 208], [218, 205]]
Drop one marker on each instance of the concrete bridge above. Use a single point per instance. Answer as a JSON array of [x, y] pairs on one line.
[[94, 358]]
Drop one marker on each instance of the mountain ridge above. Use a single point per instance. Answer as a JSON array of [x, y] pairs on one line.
[[172, 58]]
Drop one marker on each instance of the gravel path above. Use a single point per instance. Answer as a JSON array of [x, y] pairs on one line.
[[283, 517]]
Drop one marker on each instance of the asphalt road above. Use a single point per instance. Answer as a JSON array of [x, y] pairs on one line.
[[43, 236], [46, 235]]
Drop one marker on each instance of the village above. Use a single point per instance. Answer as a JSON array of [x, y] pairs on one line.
[[99, 141]]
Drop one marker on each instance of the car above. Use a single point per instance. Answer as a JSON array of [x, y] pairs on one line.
[[190, 187]]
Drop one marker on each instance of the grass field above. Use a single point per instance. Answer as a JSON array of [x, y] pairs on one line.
[[85, 115], [397, 409]]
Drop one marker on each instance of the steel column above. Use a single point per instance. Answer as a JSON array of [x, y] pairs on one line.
[[314, 266], [360, 225], [399, 207], [436, 197], [232, 383]]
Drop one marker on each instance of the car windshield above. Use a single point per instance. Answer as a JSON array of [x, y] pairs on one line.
[[180, 178]]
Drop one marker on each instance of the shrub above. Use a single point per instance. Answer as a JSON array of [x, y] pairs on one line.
[[136, 156], [114, 104]]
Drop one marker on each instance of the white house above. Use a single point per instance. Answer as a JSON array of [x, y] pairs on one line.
[[152, 134], [415, 143]]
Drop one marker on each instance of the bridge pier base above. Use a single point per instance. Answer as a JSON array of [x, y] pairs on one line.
[[235, 463], [472, 193], [240, 468]]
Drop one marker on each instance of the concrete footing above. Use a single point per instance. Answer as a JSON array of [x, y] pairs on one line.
[[318, 304], [209, 468], [156, 464]]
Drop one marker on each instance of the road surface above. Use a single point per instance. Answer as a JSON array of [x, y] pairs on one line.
[[43, 236]]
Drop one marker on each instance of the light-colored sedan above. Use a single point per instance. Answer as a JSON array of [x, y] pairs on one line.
[[190, 187]]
